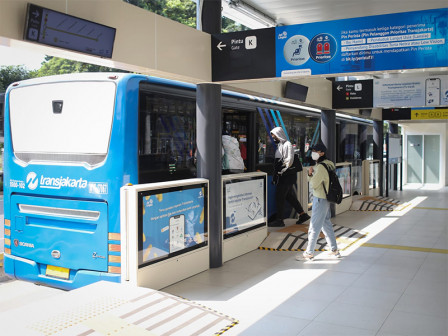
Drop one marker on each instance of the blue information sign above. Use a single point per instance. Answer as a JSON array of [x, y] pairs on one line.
[[385, 42]]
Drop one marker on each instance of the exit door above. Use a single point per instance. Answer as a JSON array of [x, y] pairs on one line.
[[423, 164]]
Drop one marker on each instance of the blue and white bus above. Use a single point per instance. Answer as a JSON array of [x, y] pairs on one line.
[[72, 141]]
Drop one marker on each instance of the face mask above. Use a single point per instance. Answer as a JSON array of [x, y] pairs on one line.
[[276, 141], [315, 156]]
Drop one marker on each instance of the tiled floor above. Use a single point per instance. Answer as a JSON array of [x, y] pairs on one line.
[[375, 290]]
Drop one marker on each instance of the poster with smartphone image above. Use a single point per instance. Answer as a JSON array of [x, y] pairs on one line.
[[177, 233], [432, 91], [244, 205], [412, 91], [171, 222]]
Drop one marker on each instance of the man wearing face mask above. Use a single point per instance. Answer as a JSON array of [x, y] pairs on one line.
[[284, 177], [320, 218]]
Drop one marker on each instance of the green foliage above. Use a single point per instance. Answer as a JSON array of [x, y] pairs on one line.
[[13, 73], [58, 66], [183, 11], [229, 26]]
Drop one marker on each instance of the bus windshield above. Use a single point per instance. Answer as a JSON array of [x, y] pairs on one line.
[[67, 122]]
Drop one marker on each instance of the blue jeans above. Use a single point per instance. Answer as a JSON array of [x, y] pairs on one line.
[[320, 220]]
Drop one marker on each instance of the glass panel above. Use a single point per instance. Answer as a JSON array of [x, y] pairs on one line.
[[303, 132], [81, 124], [415, 151], [167, 138], [171, 221], [432, 158], [234, 141]]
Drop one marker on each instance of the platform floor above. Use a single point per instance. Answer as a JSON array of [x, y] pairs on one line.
[[392, 282]]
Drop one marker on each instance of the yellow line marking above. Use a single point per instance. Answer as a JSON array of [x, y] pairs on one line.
[[431, 208], [406, 248]]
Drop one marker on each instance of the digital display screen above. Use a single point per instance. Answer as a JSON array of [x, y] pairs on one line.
[[57, 29], [244, 205], [171, 222], [374, 175], [344, 174]]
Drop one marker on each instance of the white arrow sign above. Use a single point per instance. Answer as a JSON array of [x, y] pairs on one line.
[[339, 88], [220, 45]]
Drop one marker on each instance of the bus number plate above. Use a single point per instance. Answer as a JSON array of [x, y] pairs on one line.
[[57, 272]]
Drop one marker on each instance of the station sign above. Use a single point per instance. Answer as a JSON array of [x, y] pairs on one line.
[[243, 55], [353, 94], [411, 40], [429, 113], [421, 113]]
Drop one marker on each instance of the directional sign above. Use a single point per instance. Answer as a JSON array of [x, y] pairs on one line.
[[429, 113], [410, 40], [353, 94], [243, 55]]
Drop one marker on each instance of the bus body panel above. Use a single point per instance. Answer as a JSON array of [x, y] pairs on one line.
[[59, 232], [29, 270], [47, 189]]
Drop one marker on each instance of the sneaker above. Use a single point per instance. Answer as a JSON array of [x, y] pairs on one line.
[[276, 223], [335, 254], [303, 218], [305, 256]]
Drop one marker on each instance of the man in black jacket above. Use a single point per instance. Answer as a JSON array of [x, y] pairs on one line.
[[284, 177]]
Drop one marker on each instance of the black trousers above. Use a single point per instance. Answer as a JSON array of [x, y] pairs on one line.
[[285, 192]]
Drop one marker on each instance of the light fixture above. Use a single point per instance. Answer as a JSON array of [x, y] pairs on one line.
[[246, 15]]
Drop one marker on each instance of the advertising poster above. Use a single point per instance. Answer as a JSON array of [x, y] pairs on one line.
[[244, 205], [411, 91], [172, 221], [384, 42]]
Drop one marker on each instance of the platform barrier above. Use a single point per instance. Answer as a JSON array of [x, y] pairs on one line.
[[106, 308], [164, 232], [244, 213]]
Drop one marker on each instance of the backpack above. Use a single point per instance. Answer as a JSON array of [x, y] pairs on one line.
[[296, 165], [334, 194]]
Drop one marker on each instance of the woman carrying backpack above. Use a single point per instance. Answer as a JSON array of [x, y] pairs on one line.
[[320, 217]]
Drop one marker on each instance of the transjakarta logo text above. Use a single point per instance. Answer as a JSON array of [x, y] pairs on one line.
[[54, 183]]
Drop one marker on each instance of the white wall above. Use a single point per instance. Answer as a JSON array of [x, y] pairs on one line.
[[434, 128]]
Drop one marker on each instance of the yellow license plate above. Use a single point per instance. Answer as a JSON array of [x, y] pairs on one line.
[[57, 272]]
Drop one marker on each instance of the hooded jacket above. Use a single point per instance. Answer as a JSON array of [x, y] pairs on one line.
[[284, 151]]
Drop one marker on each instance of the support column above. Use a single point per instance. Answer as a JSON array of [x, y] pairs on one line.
[[378, 134], [208, 16], [393, 129], [209, 151], [328, 137], [328, 133]]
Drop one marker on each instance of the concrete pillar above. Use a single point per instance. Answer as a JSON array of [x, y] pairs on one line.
[[328, 137], [328, 133], [209, 152]]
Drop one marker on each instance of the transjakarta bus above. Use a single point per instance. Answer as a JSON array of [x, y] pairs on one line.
[[71, 143]]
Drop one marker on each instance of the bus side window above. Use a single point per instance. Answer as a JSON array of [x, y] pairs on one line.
[[167, 137]]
